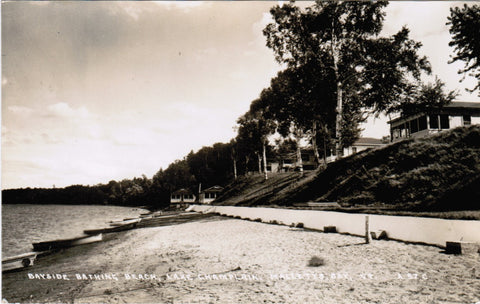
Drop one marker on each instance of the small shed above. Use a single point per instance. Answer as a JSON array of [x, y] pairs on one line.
[[209, 195], [182, 196]]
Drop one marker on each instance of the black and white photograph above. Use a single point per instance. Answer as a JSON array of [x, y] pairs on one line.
[[240, 152]]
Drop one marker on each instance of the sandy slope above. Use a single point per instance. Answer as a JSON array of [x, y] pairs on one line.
[[247, 262]]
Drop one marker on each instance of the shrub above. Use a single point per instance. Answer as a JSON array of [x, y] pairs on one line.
[[299, 225], [257, 219]]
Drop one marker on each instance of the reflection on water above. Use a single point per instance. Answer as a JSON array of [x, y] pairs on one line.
[[24, 224]]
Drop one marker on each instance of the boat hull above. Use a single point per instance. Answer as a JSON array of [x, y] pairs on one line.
[[60, 244], [112, 229], [19, 261]]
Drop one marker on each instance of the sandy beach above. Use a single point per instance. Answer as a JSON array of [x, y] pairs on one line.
[[223, 260]]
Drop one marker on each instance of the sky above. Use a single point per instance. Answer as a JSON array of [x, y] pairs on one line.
[[100, 91]]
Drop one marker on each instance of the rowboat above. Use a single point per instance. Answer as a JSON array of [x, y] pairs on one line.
[[124, 222], [60, 244], [19, 261], [121, 227]]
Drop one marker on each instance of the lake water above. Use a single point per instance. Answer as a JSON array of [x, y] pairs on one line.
[[23, 225]]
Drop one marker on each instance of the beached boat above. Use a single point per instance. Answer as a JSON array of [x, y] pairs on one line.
[[19, 261], [124, 222], [121, 227], [60, 244]]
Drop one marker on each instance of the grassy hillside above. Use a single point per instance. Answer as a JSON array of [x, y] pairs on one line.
[[437, 173]]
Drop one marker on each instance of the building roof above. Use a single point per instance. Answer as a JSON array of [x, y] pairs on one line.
[[454, 107], [182, 191], [368, 141], [214, 189], [463, 104]]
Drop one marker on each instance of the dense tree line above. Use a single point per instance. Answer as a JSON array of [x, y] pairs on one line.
[[209, 166]]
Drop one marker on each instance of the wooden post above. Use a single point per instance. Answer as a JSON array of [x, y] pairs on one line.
[[367, 231]]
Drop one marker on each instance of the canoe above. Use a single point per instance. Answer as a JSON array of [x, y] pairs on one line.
[[60, 244], [19, 261], [119, 228]]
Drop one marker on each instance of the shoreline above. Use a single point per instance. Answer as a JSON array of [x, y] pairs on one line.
[[222, 260]]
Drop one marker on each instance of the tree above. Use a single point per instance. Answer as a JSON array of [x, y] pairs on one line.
[[465, 30], [341, 37], [302, 102], [234, 155], [423, 98], [253, 134]]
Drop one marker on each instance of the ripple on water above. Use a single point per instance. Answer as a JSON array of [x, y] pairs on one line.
[[23, 225]]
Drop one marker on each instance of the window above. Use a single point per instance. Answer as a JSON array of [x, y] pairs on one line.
[[406, 129], [414, 125], [422, 123], [444, 122], [354, 150], [433, 121], [396, 133], [467, 120]]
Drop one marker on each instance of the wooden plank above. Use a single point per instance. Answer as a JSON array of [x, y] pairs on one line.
[[329, 229]]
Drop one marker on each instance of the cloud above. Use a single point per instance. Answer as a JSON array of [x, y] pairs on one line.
[[64, 110], [183, 5], [132, 9], [420, 17]]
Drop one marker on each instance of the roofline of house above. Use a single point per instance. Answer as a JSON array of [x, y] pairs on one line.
[[452, 108], [213, 189]]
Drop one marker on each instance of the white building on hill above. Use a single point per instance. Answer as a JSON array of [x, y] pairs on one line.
[[454, 115]]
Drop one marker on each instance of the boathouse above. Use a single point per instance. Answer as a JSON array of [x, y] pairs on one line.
[[209, 195], [182, 197]]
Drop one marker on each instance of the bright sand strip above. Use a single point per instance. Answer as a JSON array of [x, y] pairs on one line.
[[220, 260]]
